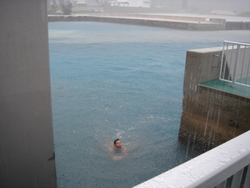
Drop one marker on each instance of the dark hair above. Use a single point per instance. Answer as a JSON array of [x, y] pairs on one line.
[[116, 141]]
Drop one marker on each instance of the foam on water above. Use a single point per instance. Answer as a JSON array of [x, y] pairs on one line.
[[119, 81]]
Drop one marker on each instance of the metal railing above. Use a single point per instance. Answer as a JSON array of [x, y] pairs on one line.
[[226, 166], [235, 66]]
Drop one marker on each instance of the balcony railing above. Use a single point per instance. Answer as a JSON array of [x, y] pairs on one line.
[[226, 166], [235, 66]]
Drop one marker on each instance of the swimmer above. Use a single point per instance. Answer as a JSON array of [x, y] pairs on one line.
[[118, 151]]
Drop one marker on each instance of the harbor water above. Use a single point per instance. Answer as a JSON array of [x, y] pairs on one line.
[[113, 81]]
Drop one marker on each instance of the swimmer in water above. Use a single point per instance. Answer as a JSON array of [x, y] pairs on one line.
[[119, 149]]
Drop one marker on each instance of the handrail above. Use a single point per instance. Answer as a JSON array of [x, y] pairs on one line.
[[235, 63], [238, 43], [211, 169]]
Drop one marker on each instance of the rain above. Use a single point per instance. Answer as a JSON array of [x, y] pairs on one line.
[[99, 93], [121, 81]]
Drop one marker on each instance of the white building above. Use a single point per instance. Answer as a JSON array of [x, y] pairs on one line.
[[131, 3], [80, 2]]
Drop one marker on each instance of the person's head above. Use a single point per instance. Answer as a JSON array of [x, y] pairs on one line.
[[117, 143]]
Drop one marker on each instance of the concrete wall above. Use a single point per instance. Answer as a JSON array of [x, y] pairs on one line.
[[175, 24], [201, 65], [26, 132], [210, 117], [168, 21], [168, 17]]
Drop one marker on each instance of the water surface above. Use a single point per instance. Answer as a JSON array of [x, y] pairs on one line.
[[120, 81]]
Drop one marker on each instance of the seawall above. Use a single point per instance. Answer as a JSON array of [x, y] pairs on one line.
[[167, 21], [237, 25], [173, 22]]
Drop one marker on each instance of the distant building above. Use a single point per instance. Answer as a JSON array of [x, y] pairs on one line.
[[93, 3], [131, 3], [89, 3], [80, 2], [81, 6]]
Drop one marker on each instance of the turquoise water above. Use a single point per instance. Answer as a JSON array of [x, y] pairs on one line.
[[120, 81], [228, 87]]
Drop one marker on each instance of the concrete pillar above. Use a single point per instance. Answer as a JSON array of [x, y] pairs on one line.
[[201, 65], [26, 132]]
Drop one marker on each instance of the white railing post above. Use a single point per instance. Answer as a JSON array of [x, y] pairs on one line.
[[236, 64], [222, 184], [223, 63], [237, 179], [247, 179]]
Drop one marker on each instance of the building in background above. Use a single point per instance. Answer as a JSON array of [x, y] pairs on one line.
[[131, 3]]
